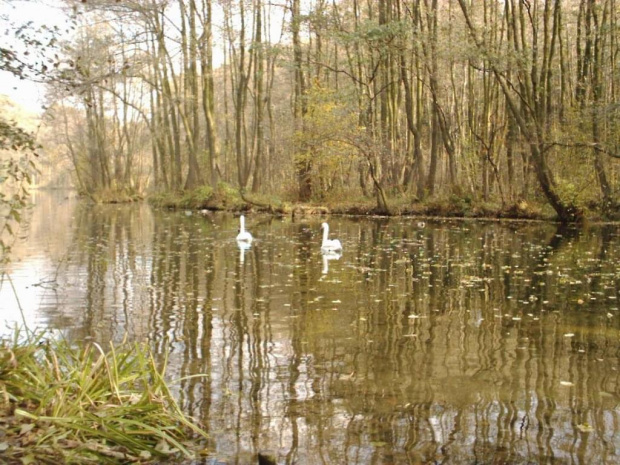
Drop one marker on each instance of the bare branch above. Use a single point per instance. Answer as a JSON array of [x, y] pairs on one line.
[[585, 145]]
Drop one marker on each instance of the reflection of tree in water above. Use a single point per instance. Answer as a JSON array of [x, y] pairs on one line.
[[106, 266], [509, 367], [420, 345]]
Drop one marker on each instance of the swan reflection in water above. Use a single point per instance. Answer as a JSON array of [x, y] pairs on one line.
[[243, 246], [329, 255]]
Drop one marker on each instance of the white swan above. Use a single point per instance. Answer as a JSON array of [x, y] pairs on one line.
[[243, 236], [329, 245]]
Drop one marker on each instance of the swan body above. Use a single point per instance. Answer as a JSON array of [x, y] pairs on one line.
[[329, 245], [243, 236]]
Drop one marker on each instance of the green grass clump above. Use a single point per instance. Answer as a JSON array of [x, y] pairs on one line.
[[118, 195], [222, 197], [196, 198], [63, 404], [227, 197]]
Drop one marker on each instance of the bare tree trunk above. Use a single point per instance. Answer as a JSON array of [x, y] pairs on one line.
[[589, 79], [303, 165], [259, 99], [192, 94], [431, 64], [169, 119], [208, 96]]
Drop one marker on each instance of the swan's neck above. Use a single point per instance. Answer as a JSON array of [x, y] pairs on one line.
[[242, 220], [325, 233]]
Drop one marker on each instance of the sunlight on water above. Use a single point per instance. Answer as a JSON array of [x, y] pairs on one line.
[[449, 341]]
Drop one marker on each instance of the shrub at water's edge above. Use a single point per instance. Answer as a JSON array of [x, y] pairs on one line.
[[65, 404]]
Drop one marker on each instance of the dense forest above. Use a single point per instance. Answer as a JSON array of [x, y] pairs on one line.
[[501, 103]]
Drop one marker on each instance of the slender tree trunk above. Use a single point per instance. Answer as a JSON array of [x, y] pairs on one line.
[[194, 174], [208, 96], [303, 165], [259, 103]]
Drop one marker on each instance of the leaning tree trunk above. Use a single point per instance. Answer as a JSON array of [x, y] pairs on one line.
[[532, 78]]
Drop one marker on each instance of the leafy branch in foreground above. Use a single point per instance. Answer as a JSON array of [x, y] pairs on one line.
[[63, 404], [17, 154]]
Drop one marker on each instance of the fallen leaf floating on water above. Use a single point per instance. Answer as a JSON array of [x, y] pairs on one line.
[[566, 383], [585, 428], [569, 335]]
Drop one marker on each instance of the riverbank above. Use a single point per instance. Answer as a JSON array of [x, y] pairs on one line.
[[227, 198]]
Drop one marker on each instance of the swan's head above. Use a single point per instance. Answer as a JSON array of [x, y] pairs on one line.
[[324, 225]]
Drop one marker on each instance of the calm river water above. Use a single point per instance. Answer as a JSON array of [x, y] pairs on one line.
[[445, 342]]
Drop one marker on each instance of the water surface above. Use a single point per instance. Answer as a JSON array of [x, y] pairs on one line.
[[442, 342]]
